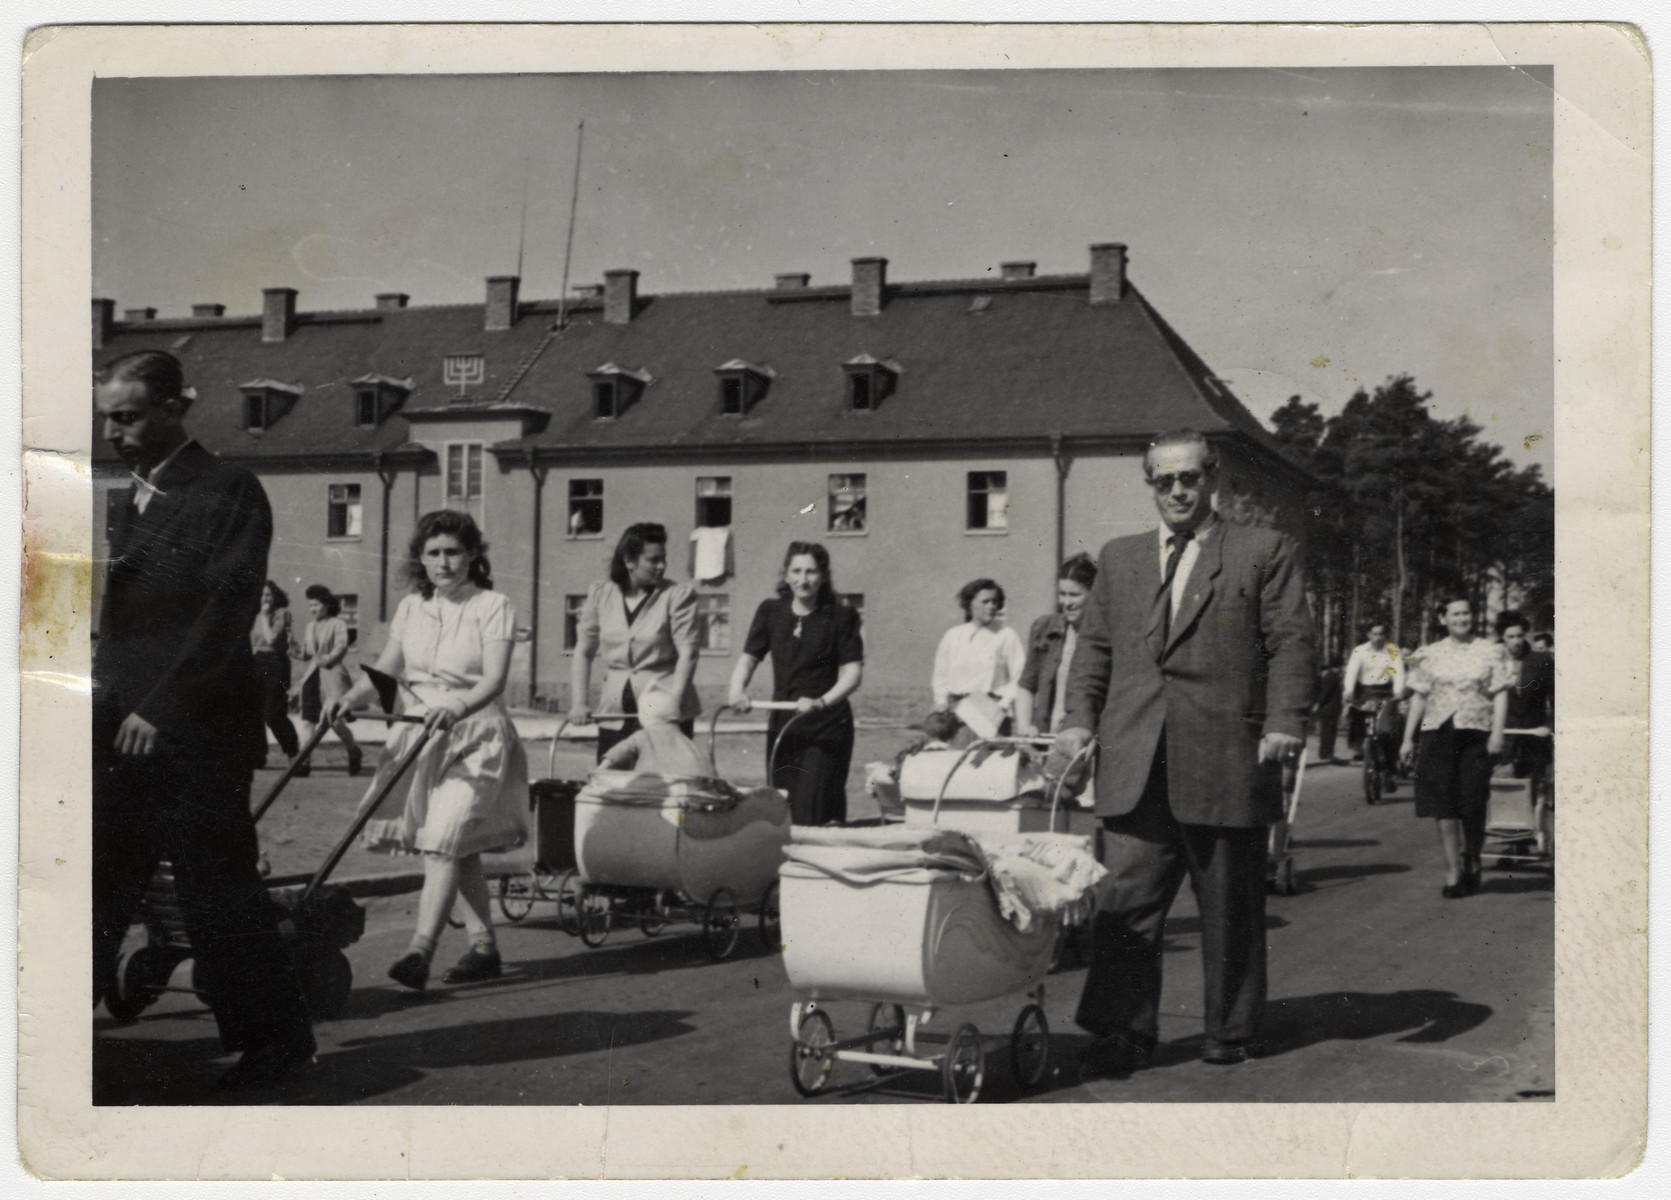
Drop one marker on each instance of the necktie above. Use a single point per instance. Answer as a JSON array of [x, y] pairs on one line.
[[1177, 543]]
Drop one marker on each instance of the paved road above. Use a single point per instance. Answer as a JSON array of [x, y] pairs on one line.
[[1380, 991]]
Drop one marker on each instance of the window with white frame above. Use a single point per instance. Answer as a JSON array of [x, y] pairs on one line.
[[713, 610], [585, 508], [713, 501], [343, 511], [988, 500], [847, 504], [464, 470]]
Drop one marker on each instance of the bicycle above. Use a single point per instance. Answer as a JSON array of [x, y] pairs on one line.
[[1379, 763]]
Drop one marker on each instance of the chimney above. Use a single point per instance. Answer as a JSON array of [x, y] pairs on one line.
[[870, 282], [1108, 272], [1017, 270], [792, 282], [501, 301], [104, 318], [388, 300], [208, 310], [620, 294], [278, 313], [139, 314]]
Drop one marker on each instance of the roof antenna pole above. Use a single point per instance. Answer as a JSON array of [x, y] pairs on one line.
[[522, 231], [568, 246]]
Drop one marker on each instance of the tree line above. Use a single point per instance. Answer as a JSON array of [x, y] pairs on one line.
[[1409, 510]]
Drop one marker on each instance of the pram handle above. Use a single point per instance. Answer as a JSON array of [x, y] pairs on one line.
[[770, 705], [1541, 731], [982, 743], [320, 729], [562, 726]]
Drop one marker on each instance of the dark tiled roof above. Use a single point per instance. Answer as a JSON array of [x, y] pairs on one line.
[[978, 361], [324, 354], [1036, 360]]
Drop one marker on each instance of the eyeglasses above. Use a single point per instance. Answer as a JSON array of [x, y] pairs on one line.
[[1163, 483]]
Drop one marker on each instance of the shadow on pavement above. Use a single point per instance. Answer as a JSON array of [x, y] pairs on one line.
[[1516, 884], [1310, 877], [1331, 843], [156, 1071], [370, 1066], [1426, 1014]]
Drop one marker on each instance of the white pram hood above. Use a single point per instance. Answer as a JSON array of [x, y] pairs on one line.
[[1031, 874]]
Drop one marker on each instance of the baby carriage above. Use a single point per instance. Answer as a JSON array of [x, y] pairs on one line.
[[650, 849], [996, 785], [316, 921], [968, 918], [1520, 822]]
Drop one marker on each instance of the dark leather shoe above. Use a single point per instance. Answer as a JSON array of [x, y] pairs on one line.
[[1223, 1054], [355, 762], [268, 1065], [477, 966], [1114, 1056], [411, 970], [1454, 891]]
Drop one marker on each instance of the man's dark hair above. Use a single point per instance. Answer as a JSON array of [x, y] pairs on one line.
[[1508, 619], [161, 373], [1184, 437]]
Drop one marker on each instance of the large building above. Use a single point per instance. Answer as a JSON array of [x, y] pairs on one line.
[[927, 433]]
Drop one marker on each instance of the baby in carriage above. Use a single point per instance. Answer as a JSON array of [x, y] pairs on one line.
[[660, 747]]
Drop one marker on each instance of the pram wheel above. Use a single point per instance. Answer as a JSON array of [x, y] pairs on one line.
[[720, 923], [516, 896], [771, 920], [888, 1018], [651, 917], [593, 917], [1030, 1047], [568, 894], [810, 1063], [963, 1069], [147, 968]]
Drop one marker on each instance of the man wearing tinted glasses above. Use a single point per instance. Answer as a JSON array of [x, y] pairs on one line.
[[1194, 673]]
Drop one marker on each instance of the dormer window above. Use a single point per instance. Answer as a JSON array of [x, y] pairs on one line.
[[615, 389], [376, 396], [265, 401], [869, 382], [742, 385]]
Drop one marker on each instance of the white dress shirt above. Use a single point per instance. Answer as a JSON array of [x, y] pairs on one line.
[[977, 660], [1186, 563]]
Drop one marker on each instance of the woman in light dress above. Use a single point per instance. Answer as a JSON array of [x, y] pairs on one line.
[[450, 644], [981, 658], [324, 646], [1459, 696]]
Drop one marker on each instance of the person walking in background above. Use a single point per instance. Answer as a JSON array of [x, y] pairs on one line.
[[646, 628], [1194, 673], [1531, 704], [817, 662], [1041, 692], [451, 643], [1459, 701], [1327, 714], [177, 729], [982, 657], [1373, 672], [269, 641], [324, 647]]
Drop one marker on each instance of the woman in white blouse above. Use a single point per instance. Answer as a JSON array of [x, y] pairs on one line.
[[451, 644], [982, 656], [1459, 701], [645, 628]]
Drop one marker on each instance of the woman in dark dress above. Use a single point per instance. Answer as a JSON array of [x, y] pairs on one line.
[[817, 661]]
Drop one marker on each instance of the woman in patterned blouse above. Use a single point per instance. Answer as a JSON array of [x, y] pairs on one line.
[[1459, 701]]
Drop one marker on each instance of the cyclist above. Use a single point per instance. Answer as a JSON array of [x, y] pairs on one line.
[[1371, 688]]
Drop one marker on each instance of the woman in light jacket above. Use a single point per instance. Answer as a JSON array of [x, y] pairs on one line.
[[645, 628], [324, 644]]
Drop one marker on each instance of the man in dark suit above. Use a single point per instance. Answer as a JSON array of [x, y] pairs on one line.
[[1531, 702], [1195, 669], [177, 726]]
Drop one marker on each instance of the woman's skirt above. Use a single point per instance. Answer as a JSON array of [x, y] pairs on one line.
[[468, 792], [810, 764], [1453, 773]]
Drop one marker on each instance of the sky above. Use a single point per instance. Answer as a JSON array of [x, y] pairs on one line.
[[1308, 232]]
